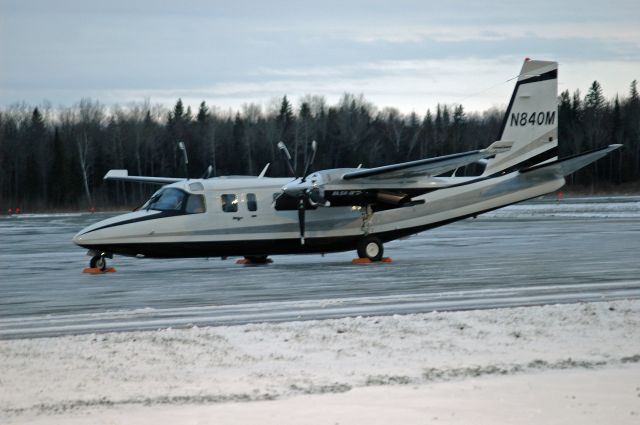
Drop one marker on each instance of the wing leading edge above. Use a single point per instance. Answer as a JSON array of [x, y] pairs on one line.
[[123, 175]]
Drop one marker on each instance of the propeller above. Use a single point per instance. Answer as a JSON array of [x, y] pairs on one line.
[[303, 194]]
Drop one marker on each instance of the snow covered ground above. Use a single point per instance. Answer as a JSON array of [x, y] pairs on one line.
[[539, 252], [573, 363], [568, 363]]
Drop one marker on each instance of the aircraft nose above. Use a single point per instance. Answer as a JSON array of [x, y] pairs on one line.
[[77, 238], [81, 238]]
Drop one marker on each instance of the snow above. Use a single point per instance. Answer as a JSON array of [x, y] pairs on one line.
[[592, 207], [554, 397], [512, 355]]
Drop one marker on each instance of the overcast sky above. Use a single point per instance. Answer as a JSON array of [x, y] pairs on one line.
[[406, 54]]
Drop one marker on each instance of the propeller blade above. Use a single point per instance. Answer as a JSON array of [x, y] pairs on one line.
[[185, 158], [284, 149], [314, 148], [207, 172], [301, 214]]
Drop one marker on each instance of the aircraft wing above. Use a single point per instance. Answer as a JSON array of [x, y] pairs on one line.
[[123, 175], [429, 166]]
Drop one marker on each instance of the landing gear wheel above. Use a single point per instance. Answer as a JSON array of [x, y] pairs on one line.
[[371, 248], [98, 262], [258, 259]]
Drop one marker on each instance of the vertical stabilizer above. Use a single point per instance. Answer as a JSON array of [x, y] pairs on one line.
[[531, 120]]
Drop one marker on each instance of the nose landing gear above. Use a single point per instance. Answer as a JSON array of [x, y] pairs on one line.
[[98, 263]]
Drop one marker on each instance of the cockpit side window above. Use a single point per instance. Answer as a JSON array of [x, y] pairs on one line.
[[229, 202], [195, 204]]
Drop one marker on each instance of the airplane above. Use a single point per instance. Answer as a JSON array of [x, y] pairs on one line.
[[345, 209]]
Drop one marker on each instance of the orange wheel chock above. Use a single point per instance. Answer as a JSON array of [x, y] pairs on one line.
[[96, 270], [248, 262], [367, 261]]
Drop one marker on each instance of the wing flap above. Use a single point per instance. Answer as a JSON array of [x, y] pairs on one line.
[[123, 175]]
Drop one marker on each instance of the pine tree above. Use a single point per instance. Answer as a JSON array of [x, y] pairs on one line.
[[203, 113], [428, 134], [594, 100], [178, 111], [285, 119], [457, 129], [239, 145], [633, 93]]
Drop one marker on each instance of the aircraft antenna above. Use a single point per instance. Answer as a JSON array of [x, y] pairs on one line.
[[487, 89]]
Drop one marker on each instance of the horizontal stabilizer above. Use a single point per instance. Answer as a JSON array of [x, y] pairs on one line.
[[565, 166], [123, 175], [499, 147]]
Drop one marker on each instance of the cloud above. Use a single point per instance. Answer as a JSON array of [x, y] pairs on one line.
[[608, 31], [409, 54]]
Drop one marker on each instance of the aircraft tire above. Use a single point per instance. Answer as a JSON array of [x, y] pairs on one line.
[[257, 259], [98, 262], [370, 247]]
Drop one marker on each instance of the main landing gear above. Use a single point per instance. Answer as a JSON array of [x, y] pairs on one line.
[[370, 250], [370, 247]]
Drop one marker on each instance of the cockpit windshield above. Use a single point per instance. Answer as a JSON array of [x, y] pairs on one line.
[[175, 201], [169, 199]]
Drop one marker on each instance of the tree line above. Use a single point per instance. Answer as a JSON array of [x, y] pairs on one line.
[[55, 158]]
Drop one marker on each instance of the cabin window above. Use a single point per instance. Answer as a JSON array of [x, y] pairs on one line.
[[470, 170], [252, 202], [195, 204], [229, 202]]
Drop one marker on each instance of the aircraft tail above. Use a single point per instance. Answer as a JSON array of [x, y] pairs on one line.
[[531, 120]]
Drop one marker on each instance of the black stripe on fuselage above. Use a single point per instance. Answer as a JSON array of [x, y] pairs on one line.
[[553, 74], [160, 214], [267, 247]]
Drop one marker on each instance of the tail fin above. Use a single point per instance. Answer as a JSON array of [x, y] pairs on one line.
[[531, 120]]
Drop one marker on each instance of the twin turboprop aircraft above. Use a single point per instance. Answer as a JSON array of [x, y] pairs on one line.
[[348, 208]]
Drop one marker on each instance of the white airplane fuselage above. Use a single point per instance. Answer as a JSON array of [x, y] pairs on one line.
[[265, 231]]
